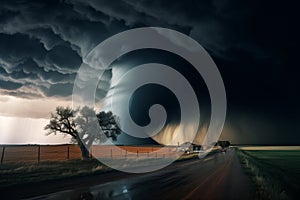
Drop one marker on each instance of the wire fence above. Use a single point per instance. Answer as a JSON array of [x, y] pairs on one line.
[[39, 153]]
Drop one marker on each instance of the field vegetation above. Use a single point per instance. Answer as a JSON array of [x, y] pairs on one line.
[[20, 173], [275, 173]]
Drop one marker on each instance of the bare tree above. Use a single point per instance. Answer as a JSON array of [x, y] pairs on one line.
[[83, 126]]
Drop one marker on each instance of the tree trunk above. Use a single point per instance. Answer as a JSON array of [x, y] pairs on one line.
[[84, 151]]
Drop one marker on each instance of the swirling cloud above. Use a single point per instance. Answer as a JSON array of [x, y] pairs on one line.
[[254, 44]]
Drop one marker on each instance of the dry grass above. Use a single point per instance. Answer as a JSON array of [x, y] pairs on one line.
[[267, 178], [18, 173], [20, 162]]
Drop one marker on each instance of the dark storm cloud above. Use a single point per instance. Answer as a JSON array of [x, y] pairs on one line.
[[42, 43], [9, 85], [55, 35], [217, 25], [47, 37], [17, 48], [25, 61], [17, 75], [254, 44], [61, 89], [250, 38], [63, 57]]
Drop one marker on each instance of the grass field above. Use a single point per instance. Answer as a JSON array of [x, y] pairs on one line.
[[20, 162], [19, 173], [274, 170]]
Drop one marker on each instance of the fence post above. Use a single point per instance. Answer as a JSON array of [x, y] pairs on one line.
[[2, 156], [39, 153], [91, 151], [137, 153], [110, 153], [68, 153]]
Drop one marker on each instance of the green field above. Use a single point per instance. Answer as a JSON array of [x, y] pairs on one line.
[[287, 161], [275, 171]]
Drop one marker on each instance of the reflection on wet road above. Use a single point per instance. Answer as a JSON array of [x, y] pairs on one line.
[[218, 176]]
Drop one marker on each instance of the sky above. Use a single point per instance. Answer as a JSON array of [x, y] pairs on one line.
[[253, 43]]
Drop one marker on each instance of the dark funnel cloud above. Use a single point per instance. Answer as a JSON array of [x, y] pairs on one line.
[[254, 44]]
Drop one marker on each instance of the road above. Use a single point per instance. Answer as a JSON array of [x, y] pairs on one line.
[[218, 176]]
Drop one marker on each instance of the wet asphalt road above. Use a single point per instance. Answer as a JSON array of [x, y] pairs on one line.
[[218, 176]]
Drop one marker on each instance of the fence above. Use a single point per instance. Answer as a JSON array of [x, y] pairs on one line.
[[38, 153]]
